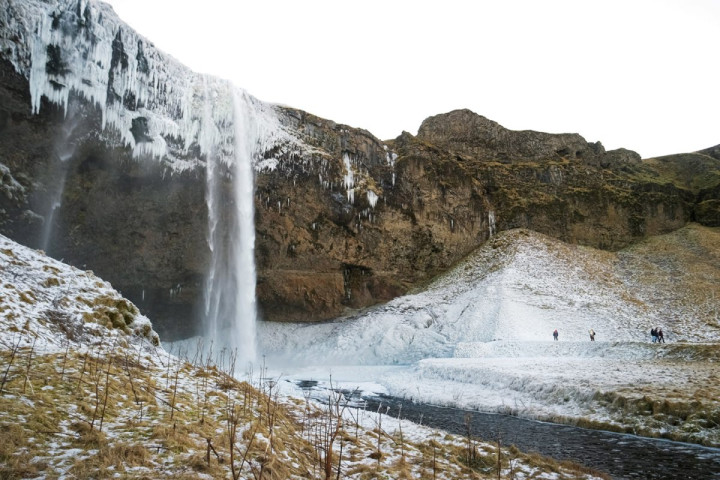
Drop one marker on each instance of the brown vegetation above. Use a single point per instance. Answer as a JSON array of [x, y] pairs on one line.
[[138, 412]]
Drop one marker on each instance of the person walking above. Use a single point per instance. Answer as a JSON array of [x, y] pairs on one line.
[[592, 335], [660, 337], [555, 334], [653, 335]]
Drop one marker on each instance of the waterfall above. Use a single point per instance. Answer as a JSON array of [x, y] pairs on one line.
[[146, 98], [230, 311], [64, 150], [246, 140]]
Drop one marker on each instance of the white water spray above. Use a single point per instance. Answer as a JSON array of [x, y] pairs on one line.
[[246, 140]]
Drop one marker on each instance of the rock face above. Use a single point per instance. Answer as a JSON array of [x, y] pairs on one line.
[[442, 194], [105, 164]]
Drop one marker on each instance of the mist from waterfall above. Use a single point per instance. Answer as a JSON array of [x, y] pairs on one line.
[[64, 150], [230, 307]]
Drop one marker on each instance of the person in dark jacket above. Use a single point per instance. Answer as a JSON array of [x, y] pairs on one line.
[[555, 334], [653, 334], [660, 337]]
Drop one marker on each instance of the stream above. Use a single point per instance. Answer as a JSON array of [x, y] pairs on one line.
[[622, 456]]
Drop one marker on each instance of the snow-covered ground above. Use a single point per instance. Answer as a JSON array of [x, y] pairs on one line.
[[88, 392], [481, 336], [52, 304]]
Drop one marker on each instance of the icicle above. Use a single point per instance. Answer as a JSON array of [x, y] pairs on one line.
[[372, 198], [349, 177]]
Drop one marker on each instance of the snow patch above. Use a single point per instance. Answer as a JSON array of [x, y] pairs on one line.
[[267, 165]]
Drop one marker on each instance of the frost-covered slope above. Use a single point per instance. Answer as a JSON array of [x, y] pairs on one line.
[[519, 287], [481, 336], [48, 302]]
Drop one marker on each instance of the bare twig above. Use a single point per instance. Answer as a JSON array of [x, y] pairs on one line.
[[29, 364], [13, 352]]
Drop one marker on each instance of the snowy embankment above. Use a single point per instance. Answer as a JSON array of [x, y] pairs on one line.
[[48, 303], [86, 391], [481, 336]]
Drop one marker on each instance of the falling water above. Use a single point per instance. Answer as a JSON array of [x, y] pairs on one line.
[[245, 143], [230, 313], [64, 150]]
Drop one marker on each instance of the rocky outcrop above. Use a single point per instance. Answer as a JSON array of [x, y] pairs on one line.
[[100, 209], [106, 165]]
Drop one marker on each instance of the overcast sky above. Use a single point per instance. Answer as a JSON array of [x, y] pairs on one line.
[[643, 75]]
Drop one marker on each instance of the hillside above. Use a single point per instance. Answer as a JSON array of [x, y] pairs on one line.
[[480, 336], [87, 391]]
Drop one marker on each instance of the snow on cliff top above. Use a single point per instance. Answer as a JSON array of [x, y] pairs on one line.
[[48, 302], [158, 106]]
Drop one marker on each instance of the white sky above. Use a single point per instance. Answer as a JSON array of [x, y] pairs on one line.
[[643, 75]]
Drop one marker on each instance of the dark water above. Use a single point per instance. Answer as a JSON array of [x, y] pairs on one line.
[[621, 456]]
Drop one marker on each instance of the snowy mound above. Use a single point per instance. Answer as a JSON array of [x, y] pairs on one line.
[[52, 304], [518, 287], [480, 337]]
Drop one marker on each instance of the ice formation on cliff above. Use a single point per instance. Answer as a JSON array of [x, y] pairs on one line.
[[159, 107]]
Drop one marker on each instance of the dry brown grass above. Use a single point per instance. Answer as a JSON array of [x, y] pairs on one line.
[[142, 436], [15, 455]]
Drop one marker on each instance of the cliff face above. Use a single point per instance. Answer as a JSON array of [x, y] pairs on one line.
[[106, 145], [441, 195], [555, 184]]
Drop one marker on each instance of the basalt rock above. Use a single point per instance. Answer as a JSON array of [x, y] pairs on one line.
[[106, 166]]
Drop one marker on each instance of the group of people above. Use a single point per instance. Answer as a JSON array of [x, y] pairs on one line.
[[657, 335], [591, 332]]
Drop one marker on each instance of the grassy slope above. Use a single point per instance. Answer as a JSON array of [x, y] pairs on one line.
[[94, 414], [690, 171]]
